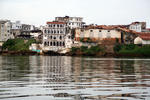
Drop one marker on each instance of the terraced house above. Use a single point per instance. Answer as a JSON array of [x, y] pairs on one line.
[[72, 22], [5, 30], [53, 36], [103, 34]]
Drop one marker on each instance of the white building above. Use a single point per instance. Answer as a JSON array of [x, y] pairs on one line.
[[68, 41], [105, 34], [35, 33], [54, 36], [5, 30], [16, 25], [16, 28], [143, 38], [138, 26], [72, 22]]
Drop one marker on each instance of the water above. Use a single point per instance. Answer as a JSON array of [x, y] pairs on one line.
[[73, 78]]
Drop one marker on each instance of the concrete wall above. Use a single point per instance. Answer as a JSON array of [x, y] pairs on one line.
[[97, 33], [145, 41], [136, 27]]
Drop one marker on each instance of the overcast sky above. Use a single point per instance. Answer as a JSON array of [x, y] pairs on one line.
[[37, 12]]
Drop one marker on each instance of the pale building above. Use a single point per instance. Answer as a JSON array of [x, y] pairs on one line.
[[16, 25], [26, 29], [138, 26], [68, 41], [106, 34], [5, 30], [35, 33], [54, 36], [143, 38], [72, 22], [16, 28]]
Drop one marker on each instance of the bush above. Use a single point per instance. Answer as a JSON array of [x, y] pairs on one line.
[[74, 49], [129, 46], [93, 50], [134, 50], [117, 47], [83, 48], [17, 44]]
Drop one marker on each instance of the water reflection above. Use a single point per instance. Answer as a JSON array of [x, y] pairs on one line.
[[73, 78]]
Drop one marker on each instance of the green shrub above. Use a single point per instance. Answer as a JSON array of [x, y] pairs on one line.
[[129, 46], [83, 48], [17, 44], [117, 47], [74, 49], [93, 50]]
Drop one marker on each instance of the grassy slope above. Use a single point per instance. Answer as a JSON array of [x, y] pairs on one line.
[[17, 44]]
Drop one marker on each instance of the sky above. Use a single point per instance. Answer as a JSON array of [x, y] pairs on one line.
[[101, 12]]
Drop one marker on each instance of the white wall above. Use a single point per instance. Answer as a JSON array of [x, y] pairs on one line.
[[145, 41], [136, 27], [98, 33]]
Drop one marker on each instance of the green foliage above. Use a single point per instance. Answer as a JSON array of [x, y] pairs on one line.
[[88, 40], [117, 40], [81, 39], [17, 44], [117, 47], [96, 48], [93, 50], [129, 46], [132, 49], [83, 48], [74, 49]]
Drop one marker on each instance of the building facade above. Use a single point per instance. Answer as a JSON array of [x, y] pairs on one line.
[[143, 38], [138, 26], [16, 28], [54, 36], [5, 30], [105, 34], [72, 22], [26, 29]]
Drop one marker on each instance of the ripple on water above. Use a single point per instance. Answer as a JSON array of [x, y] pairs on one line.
[[73, 78]]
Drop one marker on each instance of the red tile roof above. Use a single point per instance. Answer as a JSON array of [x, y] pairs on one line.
[[144, 36], [112, 27], [56, 23]]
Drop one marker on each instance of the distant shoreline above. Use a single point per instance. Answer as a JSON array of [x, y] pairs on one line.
[[28, 53]]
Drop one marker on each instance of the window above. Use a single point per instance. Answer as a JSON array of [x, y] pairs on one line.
[[100, 31], [44, 31], [51, 37], [91, 30], [108, 30], [57, 25], [51, 44], [63, 43], [60, 37]]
